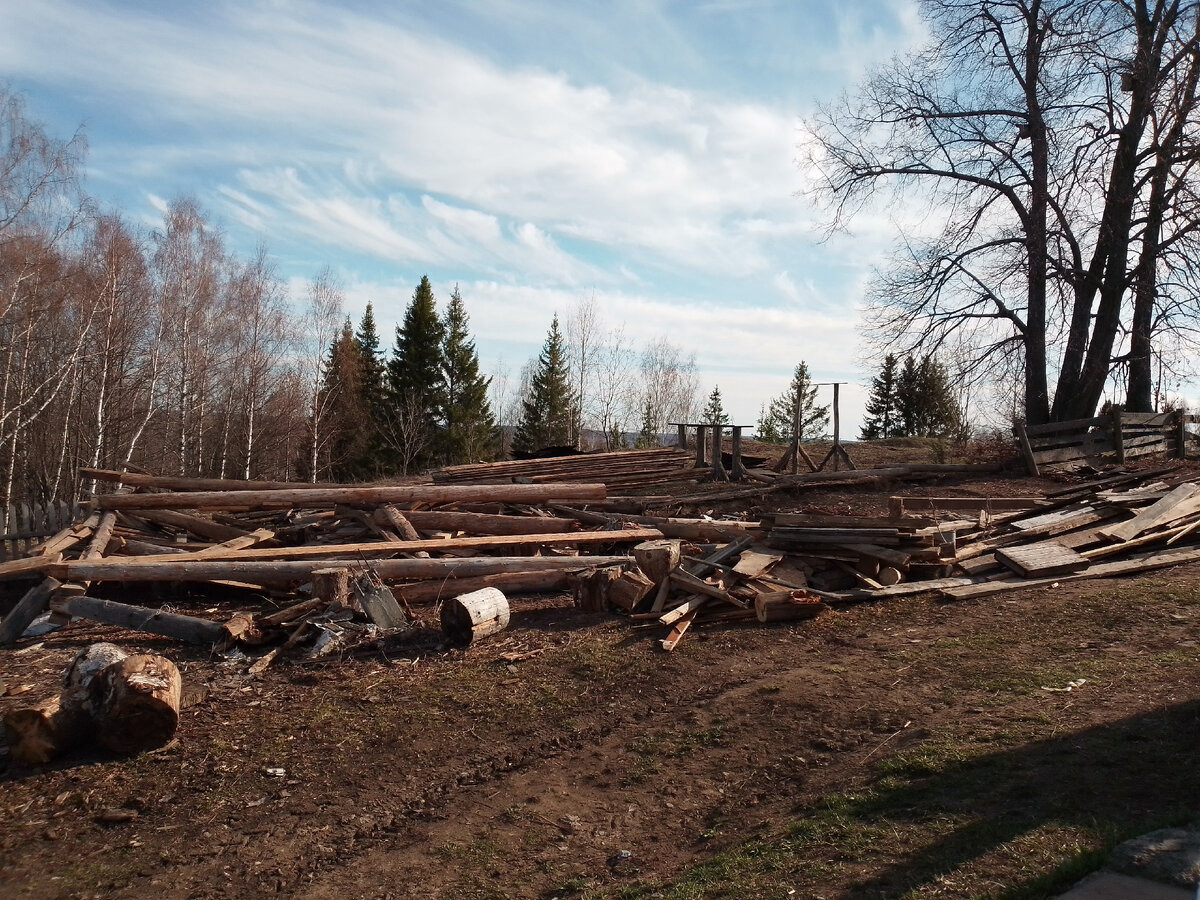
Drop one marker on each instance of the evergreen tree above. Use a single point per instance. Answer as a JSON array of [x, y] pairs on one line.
[[925, 400], [470, 432], [547, 411], [342, 393], [415, 388], [882, 412], [767, 428], [366, 338], [714, 411], [781, 414]]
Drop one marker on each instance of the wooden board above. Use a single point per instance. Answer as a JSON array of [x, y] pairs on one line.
[[1045, 558], [752, 563], [1180, 502]]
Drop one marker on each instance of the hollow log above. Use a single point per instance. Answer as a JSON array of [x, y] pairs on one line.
[[353, 496], [470, 617], [783, 606], [135, 703]]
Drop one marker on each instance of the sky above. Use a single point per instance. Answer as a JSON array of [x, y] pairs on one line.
[[643, 155]]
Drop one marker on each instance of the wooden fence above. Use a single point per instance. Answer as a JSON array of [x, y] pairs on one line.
[[29, 525], [1117, 437]]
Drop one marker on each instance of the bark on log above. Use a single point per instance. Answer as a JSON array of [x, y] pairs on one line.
[[191, 629], [627, 591], [295, 572], [484, 523], [331, 585], [469, 617], [136, 703], [353, 496], [783, 606], [197, 525]]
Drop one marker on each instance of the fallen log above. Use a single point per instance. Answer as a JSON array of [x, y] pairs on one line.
[[352, 496], [283, 573], [484, 523], [29, 607], [511, 583], [191, 629], [785, 606], [197, 525]]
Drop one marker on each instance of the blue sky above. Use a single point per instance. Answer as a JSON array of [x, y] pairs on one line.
[[536, 153]]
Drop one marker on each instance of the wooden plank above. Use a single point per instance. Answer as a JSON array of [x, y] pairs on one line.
[[994, 504], [753, 563], [671, 641], [1180, 502], [895, 558], [1045, 558], [1072, 425]]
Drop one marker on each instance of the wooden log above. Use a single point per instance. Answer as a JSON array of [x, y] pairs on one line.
[[296, 571], [197, 525], [671, 641], [889, 575], [312, 551], [191, 629], [656, 559], [135, 703], [390, 516], [331, 585], [783, 606], [483, 523], [468, 618], [177, 483], [28, 565], [353, 496], [36, 734], [591, 588], [29, 607]]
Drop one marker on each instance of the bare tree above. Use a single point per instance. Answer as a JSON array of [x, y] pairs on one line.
[[669, 384], [322, 320]]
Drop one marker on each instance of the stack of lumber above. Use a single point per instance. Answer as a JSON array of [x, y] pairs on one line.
[[621, 468], [427, 542]]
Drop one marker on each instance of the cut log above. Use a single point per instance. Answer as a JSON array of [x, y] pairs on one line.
[[468, 618], [511, 583], [331, 585], [889, 575], [657, 559], [784, 606], [353, 496], [484, 523], [37, 734], [135, 703], [591, 588], [28, 608], [192, 629]]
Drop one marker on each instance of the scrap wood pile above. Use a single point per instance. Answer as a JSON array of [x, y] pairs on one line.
[[323, 552], [793, 565]]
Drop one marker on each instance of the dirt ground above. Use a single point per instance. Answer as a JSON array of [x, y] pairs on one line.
[[896, 749]]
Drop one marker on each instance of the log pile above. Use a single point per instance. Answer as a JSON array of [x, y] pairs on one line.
[[322, 552], [619, 469]]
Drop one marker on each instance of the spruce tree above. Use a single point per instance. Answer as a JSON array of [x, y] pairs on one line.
[[415, 389], [366, 338], [546, 413], [342, 393], [647, 438], [781, 415], [925, 401], [882, 413], [714, 411], [470, 432]]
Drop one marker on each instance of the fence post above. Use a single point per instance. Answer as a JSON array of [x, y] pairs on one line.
[[1118, 433], [1180, 434]]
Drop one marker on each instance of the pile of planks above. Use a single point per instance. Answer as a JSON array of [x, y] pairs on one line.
[[311, 545]]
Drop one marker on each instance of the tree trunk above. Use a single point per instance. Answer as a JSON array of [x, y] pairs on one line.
[[470, 617], [136, 703]]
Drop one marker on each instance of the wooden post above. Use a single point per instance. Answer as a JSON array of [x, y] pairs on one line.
[[737, 469], [718, 469], [1118, 433], [470, 617], [795, 448], [192, 629], [700, 461], [682, 435], [1026, 449], [1180, 434]]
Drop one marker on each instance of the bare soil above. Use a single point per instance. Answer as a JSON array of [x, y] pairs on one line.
[[896, 749]]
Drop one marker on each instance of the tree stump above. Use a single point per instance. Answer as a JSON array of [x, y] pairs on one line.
[[135, 703], [469, 617], [783, 606], [331, 585]]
